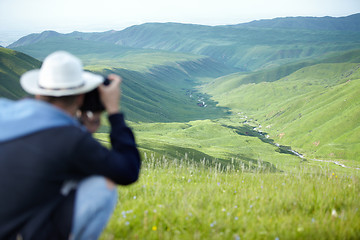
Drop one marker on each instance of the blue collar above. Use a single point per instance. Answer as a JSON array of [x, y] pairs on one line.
[[23, 117]]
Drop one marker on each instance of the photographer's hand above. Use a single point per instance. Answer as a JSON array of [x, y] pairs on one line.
[[110, 94]]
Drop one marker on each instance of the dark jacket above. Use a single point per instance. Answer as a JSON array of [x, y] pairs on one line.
[[41, 147]]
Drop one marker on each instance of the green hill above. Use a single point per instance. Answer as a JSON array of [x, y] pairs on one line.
[[12, 65], [313, 109], [163, 95], [246, 48]]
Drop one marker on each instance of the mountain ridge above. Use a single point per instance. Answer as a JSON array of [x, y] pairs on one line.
[[244, 48], [345, 23], [327, 23]]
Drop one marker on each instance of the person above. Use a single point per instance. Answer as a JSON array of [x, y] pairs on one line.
[[53, 173]]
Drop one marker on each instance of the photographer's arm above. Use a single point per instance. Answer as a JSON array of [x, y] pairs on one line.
[[122, 163]]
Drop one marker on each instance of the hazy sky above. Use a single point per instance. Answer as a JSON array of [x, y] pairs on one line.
[[28, 16]]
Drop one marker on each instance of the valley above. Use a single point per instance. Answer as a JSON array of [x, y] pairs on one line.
[[201, 90]]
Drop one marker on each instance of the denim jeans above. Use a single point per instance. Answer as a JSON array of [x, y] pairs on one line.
[[94, 204]]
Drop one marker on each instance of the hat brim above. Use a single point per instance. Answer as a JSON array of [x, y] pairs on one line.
[[29, 82]]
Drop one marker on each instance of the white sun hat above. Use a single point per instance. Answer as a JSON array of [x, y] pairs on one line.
[[61, 74]]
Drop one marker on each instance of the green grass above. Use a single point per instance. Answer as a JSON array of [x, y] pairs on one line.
[[226, 141], [181, 199], [314, 109], [12, 65], [162, 96]]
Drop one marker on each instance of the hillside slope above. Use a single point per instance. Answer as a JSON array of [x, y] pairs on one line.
[[164, 94], [12, 65], [314, 110]]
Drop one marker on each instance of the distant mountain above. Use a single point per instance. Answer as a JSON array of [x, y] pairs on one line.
[[247, 47], [34, 38], [12, 65], [349, 23]]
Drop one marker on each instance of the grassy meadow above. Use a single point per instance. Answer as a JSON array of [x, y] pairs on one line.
[[314, 110], [179, 198], [220, 179]]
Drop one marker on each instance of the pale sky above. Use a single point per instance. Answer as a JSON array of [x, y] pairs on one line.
[[22, 17]]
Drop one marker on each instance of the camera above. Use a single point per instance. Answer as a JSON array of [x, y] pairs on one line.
[[92, 100]]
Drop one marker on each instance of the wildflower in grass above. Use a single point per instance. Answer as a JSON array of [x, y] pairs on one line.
[[213, 224], [334, 214], [127, 223], [154, 228]]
